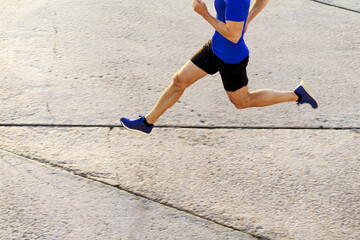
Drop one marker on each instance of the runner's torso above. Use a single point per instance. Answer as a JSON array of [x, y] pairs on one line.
[[231, 10]]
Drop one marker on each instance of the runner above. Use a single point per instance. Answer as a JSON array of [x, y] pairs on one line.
[[227, 54]]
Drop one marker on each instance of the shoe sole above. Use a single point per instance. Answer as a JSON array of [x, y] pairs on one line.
[[308, 90], [135, 131]]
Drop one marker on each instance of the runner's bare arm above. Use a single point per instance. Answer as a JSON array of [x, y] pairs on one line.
[[255, 9], [232, 31]]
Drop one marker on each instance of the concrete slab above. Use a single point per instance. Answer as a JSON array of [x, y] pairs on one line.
[[280, 184], [90, 62], [38, 202]]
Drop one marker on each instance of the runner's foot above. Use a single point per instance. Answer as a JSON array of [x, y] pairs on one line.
[[305, 95], [138, 125]]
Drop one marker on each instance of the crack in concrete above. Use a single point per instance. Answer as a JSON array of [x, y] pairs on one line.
[[337, 6], [112, 126], [74, 171], [92, 177]]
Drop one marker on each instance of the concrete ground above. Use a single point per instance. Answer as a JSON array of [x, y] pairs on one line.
[[43, 203], [70, 69]]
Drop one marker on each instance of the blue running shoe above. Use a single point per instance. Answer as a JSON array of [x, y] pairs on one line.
[[305, 94], [137, 125]]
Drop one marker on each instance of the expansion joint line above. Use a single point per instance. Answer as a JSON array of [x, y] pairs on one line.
[[337, 6], [112, 126], [94, 178]]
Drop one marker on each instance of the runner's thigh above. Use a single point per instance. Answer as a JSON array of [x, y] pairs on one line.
[[189, 74]]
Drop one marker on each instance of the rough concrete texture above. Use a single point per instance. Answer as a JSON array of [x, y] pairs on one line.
[[90, 62], [283, 184], [38, 202]]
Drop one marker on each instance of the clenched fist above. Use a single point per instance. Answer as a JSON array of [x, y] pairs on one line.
[[200, 7]]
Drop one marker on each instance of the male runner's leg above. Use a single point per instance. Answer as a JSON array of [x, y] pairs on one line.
[[242, 98], [186, 76]]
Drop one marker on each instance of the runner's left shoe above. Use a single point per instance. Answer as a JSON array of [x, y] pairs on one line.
[[306, 96], [138, 125]]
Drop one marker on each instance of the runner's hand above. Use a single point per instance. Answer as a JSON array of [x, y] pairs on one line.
[[200, 7]]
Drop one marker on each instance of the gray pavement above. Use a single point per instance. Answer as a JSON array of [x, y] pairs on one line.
[[38, 202], [90, 62], [86, 62], [282, 184]]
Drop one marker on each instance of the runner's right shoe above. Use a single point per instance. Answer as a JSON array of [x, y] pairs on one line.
[[306, 96], [138, 125]]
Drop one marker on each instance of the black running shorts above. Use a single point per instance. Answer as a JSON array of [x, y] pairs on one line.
[[233, 75]]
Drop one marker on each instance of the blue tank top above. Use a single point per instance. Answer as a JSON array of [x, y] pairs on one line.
[[231, 10]]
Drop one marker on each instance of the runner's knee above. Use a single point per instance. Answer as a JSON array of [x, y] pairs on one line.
[[244, 103], [240, 105], [178, 82]]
